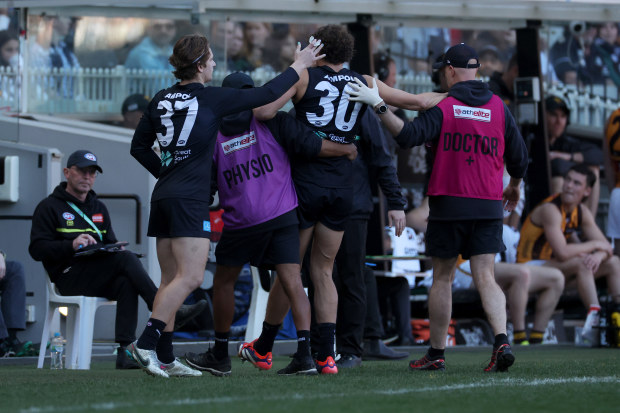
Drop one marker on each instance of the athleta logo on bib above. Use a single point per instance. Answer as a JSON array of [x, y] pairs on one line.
[[465, 112], [238, 143]]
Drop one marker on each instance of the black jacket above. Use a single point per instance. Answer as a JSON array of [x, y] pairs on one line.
[[374, 164], [55, 225]]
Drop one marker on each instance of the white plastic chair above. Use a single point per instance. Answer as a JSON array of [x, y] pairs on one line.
[[80, 326], [258, 308]]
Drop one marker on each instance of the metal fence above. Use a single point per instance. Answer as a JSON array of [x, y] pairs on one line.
[[92, 92]]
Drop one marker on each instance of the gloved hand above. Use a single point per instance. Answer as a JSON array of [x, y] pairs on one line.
[[315, 42], [359, 92]]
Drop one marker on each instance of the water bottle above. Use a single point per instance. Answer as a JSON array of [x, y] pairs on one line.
[[57, 347], [615, 322]]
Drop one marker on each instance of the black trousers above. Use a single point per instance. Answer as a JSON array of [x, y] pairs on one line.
[[349, 277], [373, 326], [117, 276], [394, 299]]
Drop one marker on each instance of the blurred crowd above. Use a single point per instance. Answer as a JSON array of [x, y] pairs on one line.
[[577, 53]]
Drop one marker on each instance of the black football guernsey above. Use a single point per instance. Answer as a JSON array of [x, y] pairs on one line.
[[185, 119], [327, 109]]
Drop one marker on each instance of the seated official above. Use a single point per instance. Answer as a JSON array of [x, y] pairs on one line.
[[72, 219]]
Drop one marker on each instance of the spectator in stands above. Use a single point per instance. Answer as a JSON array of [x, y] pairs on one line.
[[10, 60], [9, 50], [40, 40], [611, 149], [227, 42], [504, 42], [234, 49], [568, 55], [62, 50], [153, 51], [281, 51], [502, 84], [490, 61], [132, 109], [5, 20], [256, 35], [562, 233], [566, 151], [13, 310], [604, 60], [72, 219]]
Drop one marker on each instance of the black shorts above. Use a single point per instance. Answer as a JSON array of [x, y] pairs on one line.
[[259, 248], [329, 206], [173, 217], [448, 239]]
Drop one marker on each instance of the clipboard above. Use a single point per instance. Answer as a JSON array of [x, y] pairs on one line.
[[100, 249]]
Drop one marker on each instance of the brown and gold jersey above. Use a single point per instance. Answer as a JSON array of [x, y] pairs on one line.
[[612, 139], [533, 244]]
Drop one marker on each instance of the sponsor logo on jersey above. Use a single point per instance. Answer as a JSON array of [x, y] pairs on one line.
[[206, 226], [465, 112], [181, 155], [166, 158], [338, 139], [98, 218], [238, 143], [340, 78], [69, 223], [178, 95], [68, 216]]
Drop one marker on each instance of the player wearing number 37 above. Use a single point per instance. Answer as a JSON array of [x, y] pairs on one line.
[[184, 119]]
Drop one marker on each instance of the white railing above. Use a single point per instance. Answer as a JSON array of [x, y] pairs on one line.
[[96, 92], [586, 108]]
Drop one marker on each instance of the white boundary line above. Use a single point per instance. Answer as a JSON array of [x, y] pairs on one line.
[[389, 392]]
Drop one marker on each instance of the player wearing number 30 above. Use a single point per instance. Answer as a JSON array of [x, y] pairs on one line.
[[184, 119], [324, 185]]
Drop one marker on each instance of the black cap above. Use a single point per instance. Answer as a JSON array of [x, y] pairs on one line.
[[238, 80], [555, 102], [459, 56], [134, 102], [83, 159]]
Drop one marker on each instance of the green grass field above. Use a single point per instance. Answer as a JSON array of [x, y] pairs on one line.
[[544, 379]]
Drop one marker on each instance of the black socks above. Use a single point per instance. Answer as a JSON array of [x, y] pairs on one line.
[[150, 336], [435, 353], [220, 349], [327, 334], [303, 343], [165, 353], [264, 344]]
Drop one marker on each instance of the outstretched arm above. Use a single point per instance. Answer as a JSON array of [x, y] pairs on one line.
[[405, 100], [359, 92]]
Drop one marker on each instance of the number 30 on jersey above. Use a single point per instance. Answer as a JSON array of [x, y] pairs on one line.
[[328, 108]]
